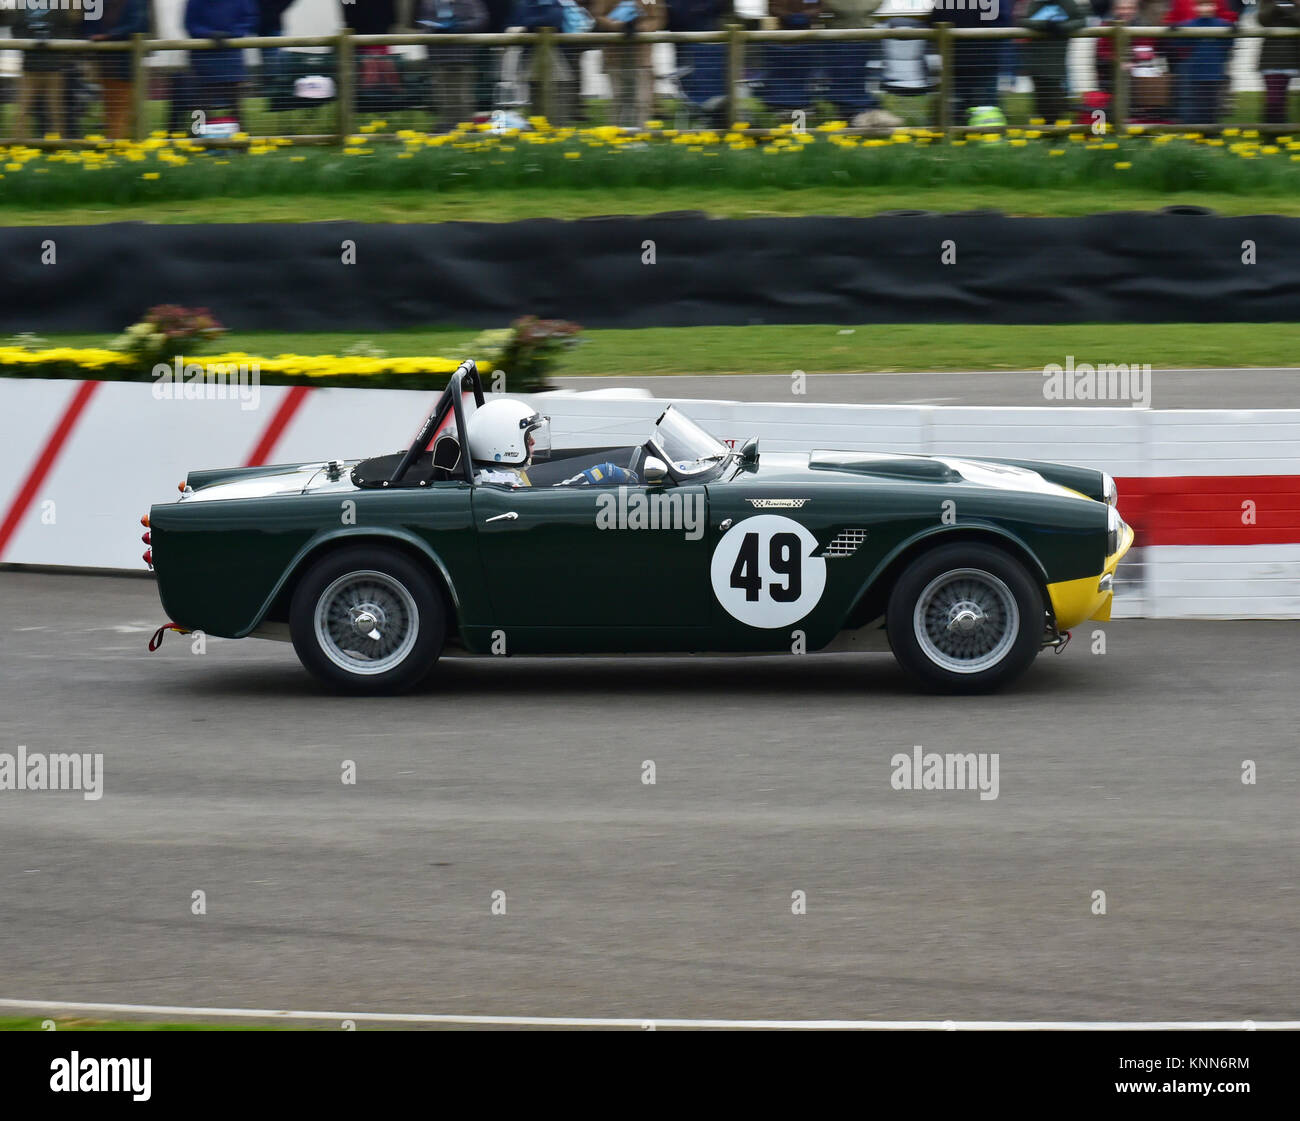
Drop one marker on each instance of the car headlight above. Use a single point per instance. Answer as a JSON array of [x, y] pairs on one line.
[[1113, 522], [1109, 491]]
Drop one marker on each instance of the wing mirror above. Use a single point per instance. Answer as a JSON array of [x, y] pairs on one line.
[[749, 452], [654, 469]]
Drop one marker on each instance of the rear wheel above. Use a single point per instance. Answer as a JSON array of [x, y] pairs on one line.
[[367, 620], [965, 618]]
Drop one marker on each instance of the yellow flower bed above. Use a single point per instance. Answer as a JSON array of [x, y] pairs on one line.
[[177, 150], [97, 362], [93, 358], [332, 365]]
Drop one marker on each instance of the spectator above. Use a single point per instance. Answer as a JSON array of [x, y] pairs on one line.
[[369, 17], [702, 67], [844, 65], [488, 59], [45, 72], [850, 13], [1150, 88], [217, 73], [80, 91], [796, 15], [1150, 13], [1202, 68], [1177, 12], [1045, 57], [909, 67], [975, 62], [1126, 12], [454, 69], [1180, 11], [788, 67], [378, 82], [270, 17], [1151, 81], [121, 19], [270, 24], [629, 63], [566, 63], [1279, 59], [696, 15]]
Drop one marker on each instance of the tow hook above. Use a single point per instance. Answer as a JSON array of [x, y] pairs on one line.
[[156, 641]]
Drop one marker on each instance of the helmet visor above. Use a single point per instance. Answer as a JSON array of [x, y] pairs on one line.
[[537, 437]]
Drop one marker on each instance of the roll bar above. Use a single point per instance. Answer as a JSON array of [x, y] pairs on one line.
[[466, 374]]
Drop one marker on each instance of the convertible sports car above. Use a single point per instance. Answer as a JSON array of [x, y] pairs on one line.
[[965, 567]]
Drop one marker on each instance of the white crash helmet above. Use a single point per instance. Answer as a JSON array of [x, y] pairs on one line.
[[507, 432]]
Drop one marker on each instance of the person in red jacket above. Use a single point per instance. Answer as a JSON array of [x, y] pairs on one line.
[[1180, 11], [1135, 15]]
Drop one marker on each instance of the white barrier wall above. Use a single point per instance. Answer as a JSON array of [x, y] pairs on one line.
[[80, 462]]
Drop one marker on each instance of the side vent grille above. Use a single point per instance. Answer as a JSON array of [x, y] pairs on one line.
[[845, 543]]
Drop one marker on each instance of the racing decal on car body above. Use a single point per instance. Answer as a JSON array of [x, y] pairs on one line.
[[764, 572], [777, 503]]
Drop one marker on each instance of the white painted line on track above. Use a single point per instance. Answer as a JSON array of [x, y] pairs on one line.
[[578, 378], [647, 1021]]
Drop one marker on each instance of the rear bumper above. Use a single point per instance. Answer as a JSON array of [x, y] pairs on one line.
[[1073, 601]]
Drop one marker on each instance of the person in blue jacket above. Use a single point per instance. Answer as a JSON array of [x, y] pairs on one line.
[[702, 67], [1202, 72], [217, 73]]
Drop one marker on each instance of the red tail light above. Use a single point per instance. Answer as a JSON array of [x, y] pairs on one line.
[[148, 557], [147, 538]]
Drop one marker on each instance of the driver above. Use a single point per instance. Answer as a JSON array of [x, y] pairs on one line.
[[503, 437]]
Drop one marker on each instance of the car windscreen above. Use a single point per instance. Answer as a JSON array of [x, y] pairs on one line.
[[686, 447]]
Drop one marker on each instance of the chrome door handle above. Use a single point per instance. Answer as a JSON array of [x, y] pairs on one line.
[[510, 517]]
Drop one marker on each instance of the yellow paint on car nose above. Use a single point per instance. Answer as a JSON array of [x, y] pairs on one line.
[[1090, 597]]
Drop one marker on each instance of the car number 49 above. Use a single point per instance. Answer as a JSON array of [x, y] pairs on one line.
[[764, 574]]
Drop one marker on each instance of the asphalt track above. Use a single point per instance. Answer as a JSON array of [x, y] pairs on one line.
[[1118, 772], [1244, 388]]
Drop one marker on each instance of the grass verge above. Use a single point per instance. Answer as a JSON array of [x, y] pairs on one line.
[[32, 1023], [717, 202], [564, 174]]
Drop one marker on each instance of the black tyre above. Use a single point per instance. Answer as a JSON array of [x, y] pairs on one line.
[[965, 618], [368, 620]]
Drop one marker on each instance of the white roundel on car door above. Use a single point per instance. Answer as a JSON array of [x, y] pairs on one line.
[[764, 574]]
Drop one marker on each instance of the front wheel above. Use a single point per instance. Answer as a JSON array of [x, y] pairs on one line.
[[965, 618], [367, 620]]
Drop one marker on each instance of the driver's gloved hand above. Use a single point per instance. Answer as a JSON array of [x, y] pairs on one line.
[[602, 475]]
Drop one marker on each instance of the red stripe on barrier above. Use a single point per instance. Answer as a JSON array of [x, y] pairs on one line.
[[1212, 509], [449, 421], [279, 422], [45, 461]]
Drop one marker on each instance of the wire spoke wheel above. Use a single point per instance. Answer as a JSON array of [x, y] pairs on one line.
[[366, 622], [966, 620]]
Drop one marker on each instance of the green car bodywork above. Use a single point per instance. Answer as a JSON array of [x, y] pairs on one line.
[[228, 554]]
